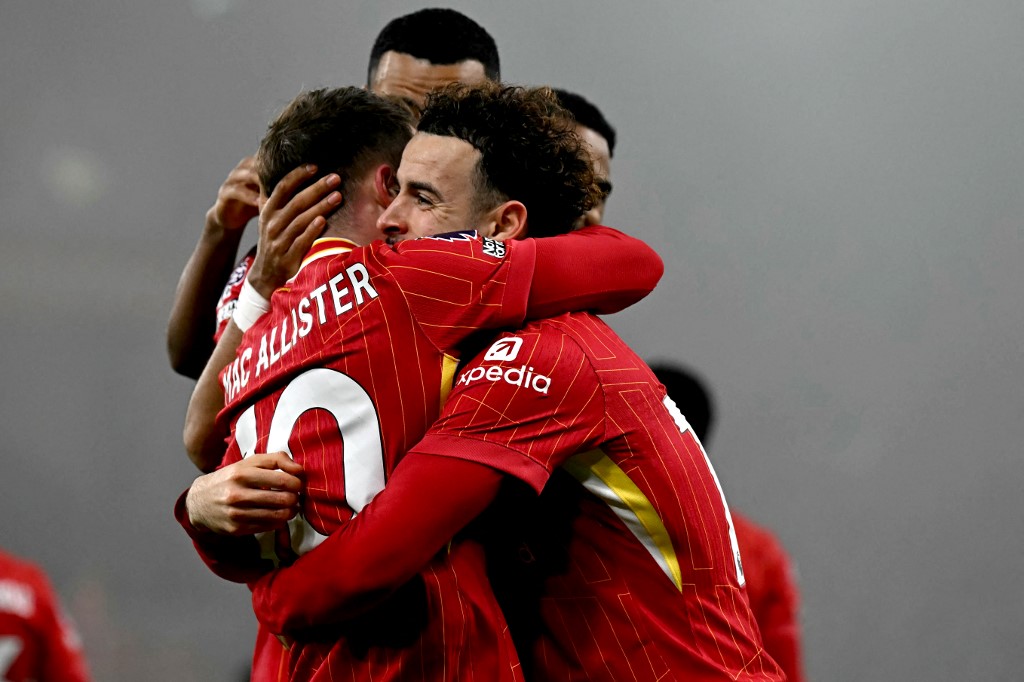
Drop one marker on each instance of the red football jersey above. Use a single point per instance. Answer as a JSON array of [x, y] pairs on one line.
[[774, 597], [626, 566], [269, 656], [36, 640], [345, 373], [233, 287]]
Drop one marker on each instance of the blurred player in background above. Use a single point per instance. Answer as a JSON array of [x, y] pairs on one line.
[[614, 546], [37, 641], [412, 55], [600, 138], [350, 365], [771, 581]]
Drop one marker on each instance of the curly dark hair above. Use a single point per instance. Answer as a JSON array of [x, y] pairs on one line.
[[529, 150], [342, 130]]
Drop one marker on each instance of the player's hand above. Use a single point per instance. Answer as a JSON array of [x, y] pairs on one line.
[[290, 221], [254, 495], [237, 199]]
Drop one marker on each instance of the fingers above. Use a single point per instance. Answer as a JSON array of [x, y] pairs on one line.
[[305, 229], [263, 473], [286, 203]]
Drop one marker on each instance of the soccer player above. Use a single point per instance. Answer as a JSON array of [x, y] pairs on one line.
[[411, 55], [37, 642], [625, 564], [771, 584], [352, 362], [599, 135]]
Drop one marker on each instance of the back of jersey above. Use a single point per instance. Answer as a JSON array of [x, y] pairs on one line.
[[344, 374], [630, 546]]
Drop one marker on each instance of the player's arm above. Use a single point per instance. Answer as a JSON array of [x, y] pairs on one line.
[[427, 501], [190, 328], [290, 222], [223, 510], [594, 268], [487, 432]]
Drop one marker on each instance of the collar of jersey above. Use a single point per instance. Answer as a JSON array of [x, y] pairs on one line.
[[327, 246]]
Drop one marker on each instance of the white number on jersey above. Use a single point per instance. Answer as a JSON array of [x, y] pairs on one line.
[[684, 425], [356, 415]]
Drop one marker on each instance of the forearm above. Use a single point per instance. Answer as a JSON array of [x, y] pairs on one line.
[[596, 268], [191, 325], [426, 502], [204, 439]]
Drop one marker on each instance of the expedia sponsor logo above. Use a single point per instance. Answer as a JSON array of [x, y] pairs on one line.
[[493, 248], [504, 350], [517, 376]]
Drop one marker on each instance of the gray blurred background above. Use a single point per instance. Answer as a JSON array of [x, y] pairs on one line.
[[835, 188]]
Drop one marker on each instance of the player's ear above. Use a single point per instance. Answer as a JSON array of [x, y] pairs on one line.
[[509, 221], [384, 183]]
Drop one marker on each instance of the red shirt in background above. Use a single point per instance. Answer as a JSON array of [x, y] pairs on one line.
[[37, 643], [774, 598]]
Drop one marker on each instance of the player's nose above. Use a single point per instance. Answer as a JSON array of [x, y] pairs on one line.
[[391, 223]]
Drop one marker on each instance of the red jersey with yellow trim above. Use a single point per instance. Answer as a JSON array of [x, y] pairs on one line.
[[36, 640], [773, 592], [625, 568], [345, 373]]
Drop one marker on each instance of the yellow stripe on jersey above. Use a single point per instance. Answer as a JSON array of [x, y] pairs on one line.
[[343, 246], [603, 477], [448, 367]]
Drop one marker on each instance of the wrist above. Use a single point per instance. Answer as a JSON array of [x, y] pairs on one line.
[[216, 230], [250, 306], [195, 519], [262, 285]]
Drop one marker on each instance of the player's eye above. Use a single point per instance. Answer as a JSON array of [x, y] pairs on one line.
[[423, 200], [605, 187]]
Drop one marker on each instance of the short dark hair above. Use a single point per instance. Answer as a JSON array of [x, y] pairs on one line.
[[690, 395], [529, 150], [341, 130], [441, 36], [587, 115]]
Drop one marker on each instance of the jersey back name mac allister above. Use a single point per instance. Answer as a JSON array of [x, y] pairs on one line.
[[345, 373]]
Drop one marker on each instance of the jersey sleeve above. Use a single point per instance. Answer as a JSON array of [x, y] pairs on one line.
[[459, 283], [233, 287], [595, 269], [425, 503], [523, 406], [237, 559]]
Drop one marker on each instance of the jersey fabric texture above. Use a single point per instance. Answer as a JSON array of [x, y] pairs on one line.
[[346, 372], [774, 596], [407, 307], [37, 641], [625, 567]]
